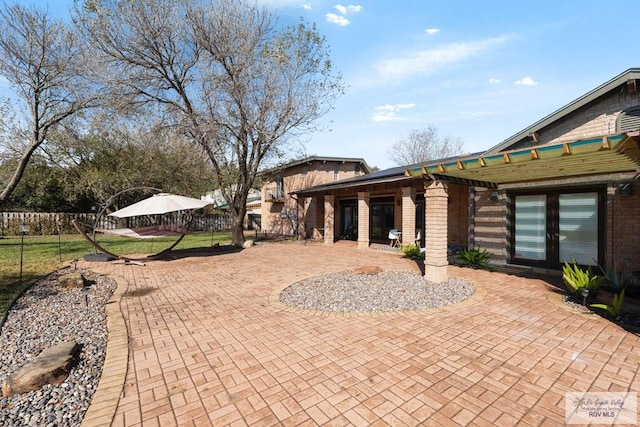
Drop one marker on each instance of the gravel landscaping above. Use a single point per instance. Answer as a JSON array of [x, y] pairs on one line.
[[389, 291], [45, 315]]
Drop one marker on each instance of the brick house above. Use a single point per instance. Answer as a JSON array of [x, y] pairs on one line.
[[283, 213], [563, 188]]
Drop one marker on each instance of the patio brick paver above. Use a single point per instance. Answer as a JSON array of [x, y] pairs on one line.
[[209, 344]]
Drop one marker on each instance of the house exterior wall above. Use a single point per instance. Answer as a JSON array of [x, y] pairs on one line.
[[489, 219], [623, 239], [621, 236], [594, 120], [458, 215], [489, 223], [281, 216], [404, 200]]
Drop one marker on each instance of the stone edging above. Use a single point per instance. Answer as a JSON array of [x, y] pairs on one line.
[[478, 296], [105, 400]]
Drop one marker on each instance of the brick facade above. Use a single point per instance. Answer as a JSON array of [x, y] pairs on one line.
[[363, 220], [621, 230], [409, 215], [281, 215], [489, 219], [436, 215], [463, 215], [592, 121]]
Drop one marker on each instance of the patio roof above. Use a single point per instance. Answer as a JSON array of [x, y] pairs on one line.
[[602, 155]]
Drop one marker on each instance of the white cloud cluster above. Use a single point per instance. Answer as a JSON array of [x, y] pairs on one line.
[[307, 6], [388, 112], [526, 81], [494, 80], [432, 30], [344, 10], [337, 19], [347, 9], [431, 60]]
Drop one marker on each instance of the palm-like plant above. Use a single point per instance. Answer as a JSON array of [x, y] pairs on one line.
[[576, 279]]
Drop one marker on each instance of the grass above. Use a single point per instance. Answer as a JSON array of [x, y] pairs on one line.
[[42, 255]]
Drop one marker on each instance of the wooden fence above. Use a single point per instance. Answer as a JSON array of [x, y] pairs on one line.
[[54, 223]]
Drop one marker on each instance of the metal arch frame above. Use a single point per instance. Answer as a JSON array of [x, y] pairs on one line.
[[94, 242]]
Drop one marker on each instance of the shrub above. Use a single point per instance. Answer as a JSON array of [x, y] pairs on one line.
[[412, 251], [576, 279], [475, 258], [615, 278], [613, 310]]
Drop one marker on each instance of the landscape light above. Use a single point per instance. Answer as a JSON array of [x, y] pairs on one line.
[[585, 294]]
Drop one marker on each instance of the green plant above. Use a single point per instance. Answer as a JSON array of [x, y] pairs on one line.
[[475, 258], [576, 279], [614, 310], [615, 277], [412, 251]]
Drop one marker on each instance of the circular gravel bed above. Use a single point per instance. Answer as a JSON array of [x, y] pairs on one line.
[[389, 291], [45, 315]]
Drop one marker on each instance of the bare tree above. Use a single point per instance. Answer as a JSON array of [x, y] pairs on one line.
[[223, 73], [40, 60], [421, 145]]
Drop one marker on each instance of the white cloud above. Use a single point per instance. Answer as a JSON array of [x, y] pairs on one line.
[[347, 9], [337, 19], [388, 112], [432, 30], [526, 81], [493, 80], [432, 60], [307, 6]]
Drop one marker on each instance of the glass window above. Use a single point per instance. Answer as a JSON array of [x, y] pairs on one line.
[[279, 187], [530, 227], [579, 228]]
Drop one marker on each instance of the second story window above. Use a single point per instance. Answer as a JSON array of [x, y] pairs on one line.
[[279, 187]]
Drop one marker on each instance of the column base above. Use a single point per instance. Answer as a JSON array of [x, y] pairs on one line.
[[363, 244], [436, 273]]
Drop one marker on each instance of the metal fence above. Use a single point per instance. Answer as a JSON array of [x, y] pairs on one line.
[[53, 223]]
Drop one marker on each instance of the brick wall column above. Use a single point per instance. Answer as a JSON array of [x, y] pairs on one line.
[[329, 219], [408, 215], [435, 220], [363, 220]]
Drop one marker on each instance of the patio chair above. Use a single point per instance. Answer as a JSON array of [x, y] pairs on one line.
[[418, 238], [394, 238]]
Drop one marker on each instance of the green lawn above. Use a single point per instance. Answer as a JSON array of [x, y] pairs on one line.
[[42, 255]]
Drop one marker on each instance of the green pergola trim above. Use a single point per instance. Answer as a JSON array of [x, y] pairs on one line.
[[611, 153]]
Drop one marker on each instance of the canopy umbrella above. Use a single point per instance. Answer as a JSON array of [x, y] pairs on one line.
[[159, 204]]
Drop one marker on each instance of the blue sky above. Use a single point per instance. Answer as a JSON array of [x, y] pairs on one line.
[[477, 70]]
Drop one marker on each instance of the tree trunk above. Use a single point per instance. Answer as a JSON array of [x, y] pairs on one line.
[[237, 227], [17, 175]]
